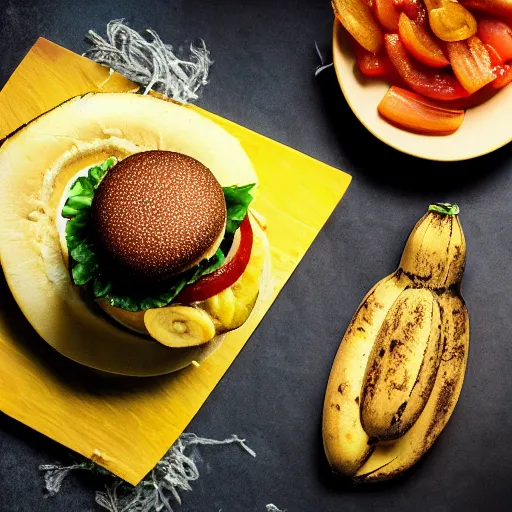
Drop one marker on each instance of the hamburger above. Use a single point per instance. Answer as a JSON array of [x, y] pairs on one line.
[[159, 248], [162, 248]]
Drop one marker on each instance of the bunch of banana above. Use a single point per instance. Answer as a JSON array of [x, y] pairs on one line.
[[399, 370]]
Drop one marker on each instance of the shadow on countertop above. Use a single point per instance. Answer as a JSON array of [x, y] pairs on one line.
[[390, 168], [80, 379], [342, 485]]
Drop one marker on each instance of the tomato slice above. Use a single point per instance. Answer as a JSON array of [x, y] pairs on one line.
[[387, 13], [434, 84], [372, 65], [421, 44], [358, 20], [225, 276], [503, 76], [415, 10], [500, 7], [416, 113], [498, 35], [471, 63]]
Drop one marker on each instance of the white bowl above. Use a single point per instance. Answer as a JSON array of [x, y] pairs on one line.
[[485, 128]]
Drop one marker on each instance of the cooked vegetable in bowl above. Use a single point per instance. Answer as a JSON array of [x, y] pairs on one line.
[[454, 56]]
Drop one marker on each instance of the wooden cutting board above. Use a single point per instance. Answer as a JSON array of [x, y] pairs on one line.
[[127, 425]]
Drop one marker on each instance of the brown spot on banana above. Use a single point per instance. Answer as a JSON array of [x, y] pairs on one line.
[[397, 384], [393, 458], [433, 260], [435, 251], [395, 343], [348, 370]]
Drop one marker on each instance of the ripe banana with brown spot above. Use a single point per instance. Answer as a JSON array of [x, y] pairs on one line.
[[402, 366], [346, 443], [394, 385]]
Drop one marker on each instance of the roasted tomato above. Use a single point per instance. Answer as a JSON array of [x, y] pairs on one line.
[[225, 276], [421, 43], [416, 113], [434, 84]]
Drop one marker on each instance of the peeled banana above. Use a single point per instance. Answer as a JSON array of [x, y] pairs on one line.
[[400, 367]]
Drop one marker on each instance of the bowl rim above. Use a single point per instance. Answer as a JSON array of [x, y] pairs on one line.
[[339, 31]]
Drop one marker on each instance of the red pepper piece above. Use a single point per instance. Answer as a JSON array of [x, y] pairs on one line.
[[434, 84], [471, 63], [372, 65]]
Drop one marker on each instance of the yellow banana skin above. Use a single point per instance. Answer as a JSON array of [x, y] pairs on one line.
[[403, 365], [393, 458], [366, 439], [346, 443]]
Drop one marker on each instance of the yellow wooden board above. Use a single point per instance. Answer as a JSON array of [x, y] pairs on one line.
[[127, 426]]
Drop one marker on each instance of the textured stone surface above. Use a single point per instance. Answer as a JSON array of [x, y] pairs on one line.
[[272, 395]]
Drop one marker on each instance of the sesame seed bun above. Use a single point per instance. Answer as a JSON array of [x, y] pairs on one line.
[[157, 214]]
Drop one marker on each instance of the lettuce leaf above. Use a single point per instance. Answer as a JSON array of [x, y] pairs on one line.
[[86, 267], [238, 200]]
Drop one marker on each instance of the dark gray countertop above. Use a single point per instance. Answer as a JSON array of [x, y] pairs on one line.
[[272, 395]]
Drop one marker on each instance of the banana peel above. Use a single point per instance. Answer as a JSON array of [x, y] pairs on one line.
[[399, 370]]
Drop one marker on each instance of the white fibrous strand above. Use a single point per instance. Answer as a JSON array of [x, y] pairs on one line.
[[171, 475], [150, 62], [322, 65], [272, 508], [54, 475]]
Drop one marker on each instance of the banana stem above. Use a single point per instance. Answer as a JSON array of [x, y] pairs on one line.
[[444, 208]]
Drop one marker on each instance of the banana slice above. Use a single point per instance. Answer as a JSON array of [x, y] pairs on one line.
[[231, 308], [179, 326], [222, 306]]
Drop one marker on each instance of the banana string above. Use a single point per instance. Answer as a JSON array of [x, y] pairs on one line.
[[172, 475], [151, 63]]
